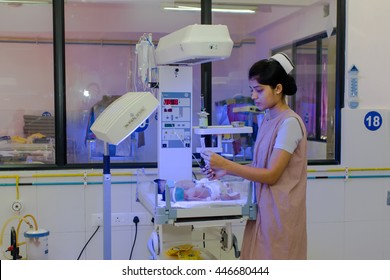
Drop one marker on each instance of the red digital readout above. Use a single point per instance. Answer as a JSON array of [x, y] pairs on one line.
[[171, 101]]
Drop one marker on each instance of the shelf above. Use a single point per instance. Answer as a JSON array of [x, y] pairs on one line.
[[26, 153], [222, 129], [247, 109], [219, 131]]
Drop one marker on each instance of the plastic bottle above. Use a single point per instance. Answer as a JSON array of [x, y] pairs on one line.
[[353, 86], [203, 121], [37, 247]]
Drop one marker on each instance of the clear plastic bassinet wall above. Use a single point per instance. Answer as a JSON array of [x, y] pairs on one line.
[[194, 218]]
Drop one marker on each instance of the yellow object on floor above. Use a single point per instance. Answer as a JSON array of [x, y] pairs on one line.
[[184, 252], [191, 254]]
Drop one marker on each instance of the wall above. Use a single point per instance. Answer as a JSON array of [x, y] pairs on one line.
[[63, 204], [347, 215], [367, 46], [349, 218]]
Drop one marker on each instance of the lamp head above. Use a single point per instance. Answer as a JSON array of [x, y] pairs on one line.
[[124, 116]]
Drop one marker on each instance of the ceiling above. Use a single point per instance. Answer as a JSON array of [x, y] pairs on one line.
[[127, 19], [233, 2]]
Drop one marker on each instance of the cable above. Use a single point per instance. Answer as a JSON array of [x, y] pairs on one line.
[[201, 163], [88, 242], [135, 221]]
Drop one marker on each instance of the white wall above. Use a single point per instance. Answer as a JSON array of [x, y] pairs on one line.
[[349, 219], [65, 206], [367, 48]]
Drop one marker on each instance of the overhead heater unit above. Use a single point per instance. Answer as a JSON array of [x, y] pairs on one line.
[[194, 44]]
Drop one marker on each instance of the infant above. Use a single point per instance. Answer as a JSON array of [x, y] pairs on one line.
[[207, 190]]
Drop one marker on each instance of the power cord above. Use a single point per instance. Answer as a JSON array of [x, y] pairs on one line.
[[85, 246], [135, 221]]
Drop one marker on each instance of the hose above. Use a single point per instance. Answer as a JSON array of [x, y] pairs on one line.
[[20, 219], [17, 179], [20, 223]]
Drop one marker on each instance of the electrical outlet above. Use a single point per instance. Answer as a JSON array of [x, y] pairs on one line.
[[97, 219], [17, 206], [144, 218], [120, 219]]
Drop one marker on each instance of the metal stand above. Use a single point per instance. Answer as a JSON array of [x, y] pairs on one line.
[[106, 204]]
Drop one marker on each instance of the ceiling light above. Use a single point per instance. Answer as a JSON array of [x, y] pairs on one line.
[[236, 9]]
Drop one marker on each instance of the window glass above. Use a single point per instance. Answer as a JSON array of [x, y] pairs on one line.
[[96, 76], [307, 35], [315, 99], [102, 65], [26, 84]]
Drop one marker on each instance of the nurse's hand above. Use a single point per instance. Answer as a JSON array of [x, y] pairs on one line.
[[213, 162], [213, 174]]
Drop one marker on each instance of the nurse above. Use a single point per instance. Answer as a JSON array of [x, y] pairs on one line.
[[278, 168]]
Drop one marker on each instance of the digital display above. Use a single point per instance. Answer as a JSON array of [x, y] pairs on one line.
[[171, 101]]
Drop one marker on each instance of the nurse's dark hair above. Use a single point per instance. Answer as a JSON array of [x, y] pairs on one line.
[[270, 72]]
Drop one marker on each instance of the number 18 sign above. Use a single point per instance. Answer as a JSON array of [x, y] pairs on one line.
[[373, 120]]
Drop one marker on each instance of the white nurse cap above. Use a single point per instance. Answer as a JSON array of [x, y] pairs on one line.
[[284, 61]]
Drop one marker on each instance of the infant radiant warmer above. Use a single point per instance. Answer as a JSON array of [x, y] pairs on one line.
[[188, 229], [205, 223]]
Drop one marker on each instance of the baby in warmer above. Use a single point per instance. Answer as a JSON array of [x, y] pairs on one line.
[[207, 190]]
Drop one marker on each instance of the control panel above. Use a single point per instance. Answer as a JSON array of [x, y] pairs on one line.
[[176, 120]]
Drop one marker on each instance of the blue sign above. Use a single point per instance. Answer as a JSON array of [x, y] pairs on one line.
[[373, 120]]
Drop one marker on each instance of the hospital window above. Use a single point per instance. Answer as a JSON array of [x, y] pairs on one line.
[[315, 61], [45, 121], [27, 126]]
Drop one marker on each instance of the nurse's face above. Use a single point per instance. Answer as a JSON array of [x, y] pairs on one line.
[[264, 96]]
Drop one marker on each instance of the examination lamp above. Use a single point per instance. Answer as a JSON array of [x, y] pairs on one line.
[[113, 125]]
